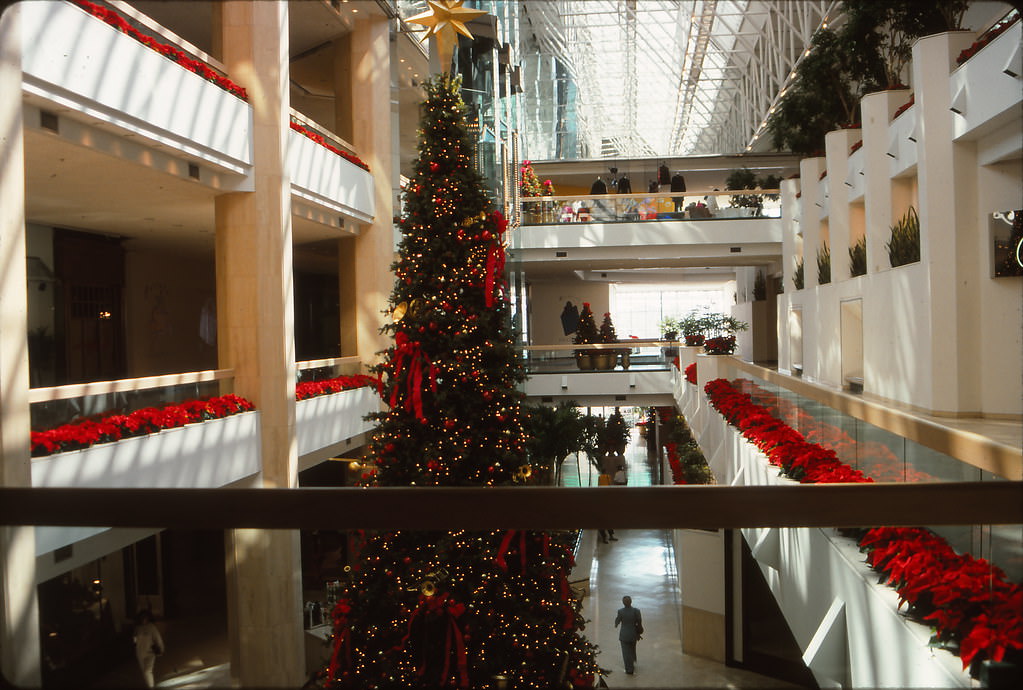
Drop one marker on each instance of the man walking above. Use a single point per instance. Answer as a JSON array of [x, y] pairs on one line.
[[631, 631]]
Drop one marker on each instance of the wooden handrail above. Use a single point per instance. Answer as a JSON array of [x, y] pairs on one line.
[[652, 195], [693, 506], [157, 28], [80, 390], [322, 131], [624, 344], [329, 362], [970, 448]]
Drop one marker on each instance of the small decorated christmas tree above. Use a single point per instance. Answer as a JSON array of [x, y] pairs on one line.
[[607, 330], [529, 184], [586, 333]]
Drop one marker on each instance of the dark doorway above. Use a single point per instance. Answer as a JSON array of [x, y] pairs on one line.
[[90, 306]]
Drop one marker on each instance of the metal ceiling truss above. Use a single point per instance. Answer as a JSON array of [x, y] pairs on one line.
[[656, 77]]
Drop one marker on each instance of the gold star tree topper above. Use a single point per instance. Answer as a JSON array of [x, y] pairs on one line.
[[444, 19]]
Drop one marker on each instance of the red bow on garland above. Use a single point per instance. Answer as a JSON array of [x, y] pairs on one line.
[[444, 605], [502, 551], [495, 258], [342, 639], [409, 353]]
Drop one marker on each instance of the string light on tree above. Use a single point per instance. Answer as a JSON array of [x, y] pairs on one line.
[[454, 609]]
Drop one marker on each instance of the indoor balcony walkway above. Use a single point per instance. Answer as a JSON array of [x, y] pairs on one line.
[[614, 233]]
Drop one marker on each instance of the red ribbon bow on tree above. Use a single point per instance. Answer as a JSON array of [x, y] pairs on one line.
[[444, 605], [495, 258], [409, 354], [342, 639]]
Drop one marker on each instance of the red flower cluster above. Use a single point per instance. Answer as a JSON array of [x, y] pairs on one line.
[[197, 66], [988, 36], [905, 106], [677, 362], [807, 463], [311, 389], [88, 432], [691, 373], [874, 459], [319, 139], [678, 474], [967, 600], [722, 345]]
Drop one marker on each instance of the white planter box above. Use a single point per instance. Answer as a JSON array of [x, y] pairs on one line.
[[329, 419], [196, 456], [328, 181], [984, 91], [848, 626], [74, 60], [902, 152]]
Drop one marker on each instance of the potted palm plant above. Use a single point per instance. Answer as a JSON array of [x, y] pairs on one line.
[[693, 326], [721, 330]]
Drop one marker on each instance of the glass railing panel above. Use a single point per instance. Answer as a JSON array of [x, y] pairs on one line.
[[53, 407], [632, 208], [567, 359], [323, 369]]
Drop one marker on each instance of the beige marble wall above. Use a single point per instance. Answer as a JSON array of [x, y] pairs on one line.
[[256, 339], [703, 633], [19, 611], [372, 136]]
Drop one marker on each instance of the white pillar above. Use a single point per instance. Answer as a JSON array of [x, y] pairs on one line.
[[950, 239], [256, 336], [19, 610]]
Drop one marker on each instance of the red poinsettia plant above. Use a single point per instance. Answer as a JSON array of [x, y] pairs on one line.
[[149, 420], [691, 373], [322, 141], [968, 601], [312, 389], [196, 66], [905, 106], [988, 36], [678, 475]]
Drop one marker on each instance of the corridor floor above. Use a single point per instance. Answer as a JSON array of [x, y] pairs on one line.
[[641, 564]]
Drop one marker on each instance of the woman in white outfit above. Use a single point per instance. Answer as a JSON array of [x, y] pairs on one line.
[[148, 645]]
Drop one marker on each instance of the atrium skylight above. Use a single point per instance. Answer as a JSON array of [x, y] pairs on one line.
[[639, 78]]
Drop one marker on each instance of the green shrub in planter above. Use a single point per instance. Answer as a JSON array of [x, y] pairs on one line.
[[858, 258], [904, 245], [797, 276], [824, 265]]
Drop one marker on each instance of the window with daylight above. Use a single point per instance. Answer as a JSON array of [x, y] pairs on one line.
[[639, 309]]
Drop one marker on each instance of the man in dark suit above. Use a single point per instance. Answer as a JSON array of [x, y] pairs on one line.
[[631, 631]]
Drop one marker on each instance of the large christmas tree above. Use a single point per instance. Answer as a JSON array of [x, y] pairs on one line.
[[459, 609]]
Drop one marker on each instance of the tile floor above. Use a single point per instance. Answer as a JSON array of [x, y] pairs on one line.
[[641, 564]]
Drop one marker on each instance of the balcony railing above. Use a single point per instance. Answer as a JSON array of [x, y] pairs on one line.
[[635, 354], [56, 405], [631, 208]]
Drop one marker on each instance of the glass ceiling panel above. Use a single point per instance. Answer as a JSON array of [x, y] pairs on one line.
[[652, 78]]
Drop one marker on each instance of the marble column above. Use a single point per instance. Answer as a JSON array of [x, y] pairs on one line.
[[256, 338], [366, 279], [19, 610]]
